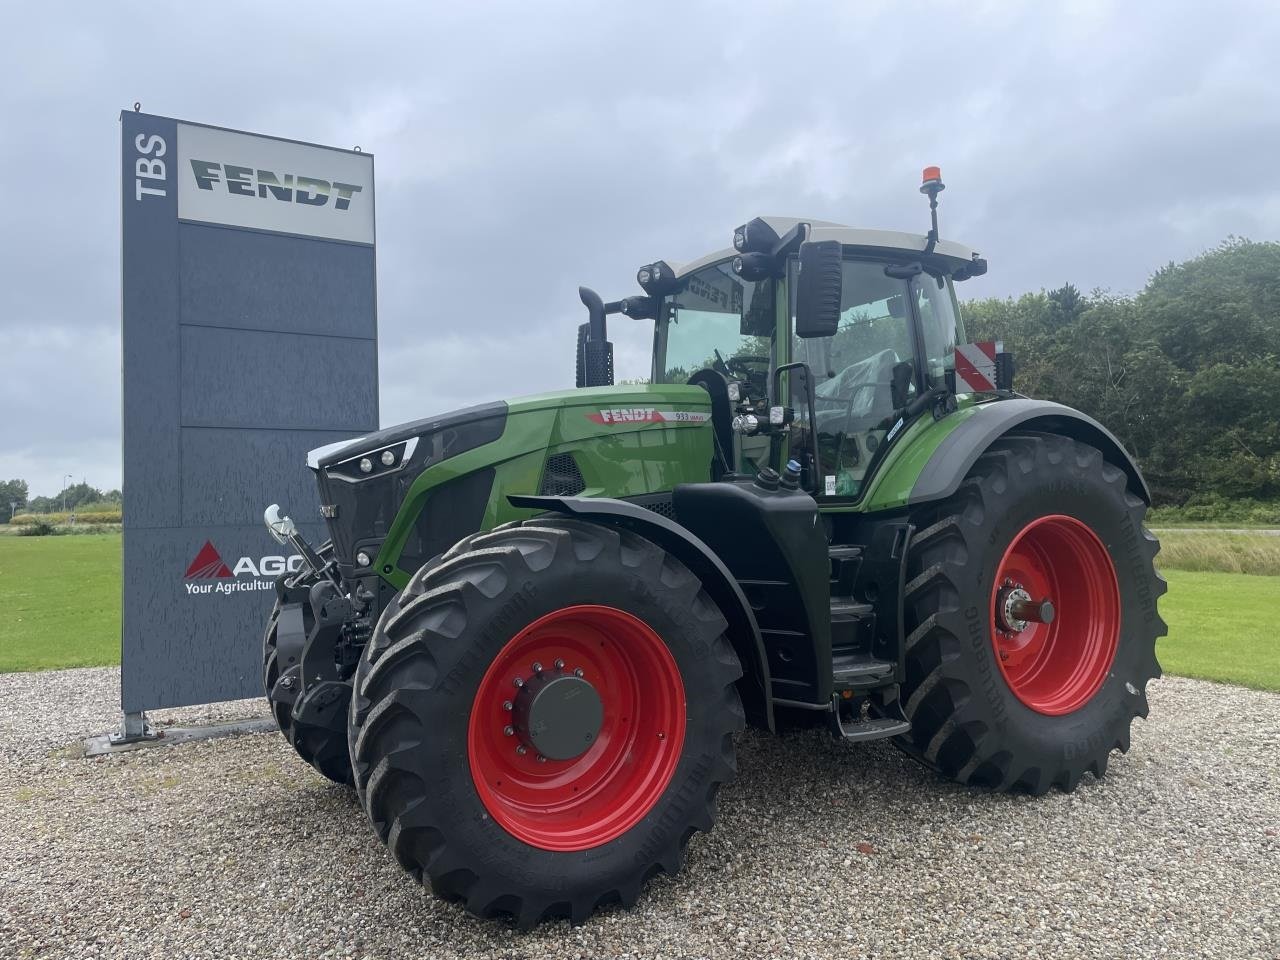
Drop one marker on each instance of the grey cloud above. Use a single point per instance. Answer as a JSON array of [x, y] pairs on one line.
[[523, 149]]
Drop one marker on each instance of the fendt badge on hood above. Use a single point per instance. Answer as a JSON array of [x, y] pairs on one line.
[[619, 415]]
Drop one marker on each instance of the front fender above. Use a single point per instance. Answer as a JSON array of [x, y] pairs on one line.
[[743, 632]]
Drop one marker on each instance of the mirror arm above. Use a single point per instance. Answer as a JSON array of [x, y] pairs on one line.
[[790, 242]]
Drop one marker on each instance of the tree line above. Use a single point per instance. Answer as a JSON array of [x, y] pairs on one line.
[[1186, 372], [77, 496]]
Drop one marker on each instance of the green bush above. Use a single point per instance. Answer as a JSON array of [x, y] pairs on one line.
[[36, 528], [1212, 508], [92, 516], [100, 506]]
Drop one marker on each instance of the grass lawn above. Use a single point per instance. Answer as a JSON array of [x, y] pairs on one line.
[[63, 599], [1222, 626]]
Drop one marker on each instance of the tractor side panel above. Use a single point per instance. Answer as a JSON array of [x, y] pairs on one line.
[[601, 442]]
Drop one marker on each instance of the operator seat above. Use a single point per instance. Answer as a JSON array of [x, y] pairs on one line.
[[873, 402]]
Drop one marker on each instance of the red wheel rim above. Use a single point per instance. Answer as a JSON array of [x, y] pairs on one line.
[[1055, 668], [599, 795]]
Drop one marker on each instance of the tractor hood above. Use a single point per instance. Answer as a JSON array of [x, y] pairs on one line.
[[492, 414], [370, 486], [471, 426]]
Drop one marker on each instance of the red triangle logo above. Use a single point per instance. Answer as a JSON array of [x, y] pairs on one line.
[[208, 565]]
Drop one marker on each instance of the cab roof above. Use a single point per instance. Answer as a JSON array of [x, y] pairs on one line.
[[955, 255]]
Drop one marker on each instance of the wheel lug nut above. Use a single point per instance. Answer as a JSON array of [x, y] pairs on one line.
[[537, 667], [541, 758], [518, 682], [559, 664], [521, 749], [508, 730], [577, 672], [507, 705]]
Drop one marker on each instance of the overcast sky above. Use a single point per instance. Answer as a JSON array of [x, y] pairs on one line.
[[524, 148]]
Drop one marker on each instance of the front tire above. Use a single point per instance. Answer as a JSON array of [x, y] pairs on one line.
[[1006, 703], [545, 814]]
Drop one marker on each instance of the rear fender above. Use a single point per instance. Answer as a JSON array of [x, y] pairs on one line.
[[960, 449], [743, 632]]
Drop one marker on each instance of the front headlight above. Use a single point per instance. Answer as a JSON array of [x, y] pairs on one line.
[[373, 463]]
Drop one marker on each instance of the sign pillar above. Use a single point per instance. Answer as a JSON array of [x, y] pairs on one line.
[[249, 335]]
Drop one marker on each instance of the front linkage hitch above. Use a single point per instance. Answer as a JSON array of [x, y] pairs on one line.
[[322, 629]]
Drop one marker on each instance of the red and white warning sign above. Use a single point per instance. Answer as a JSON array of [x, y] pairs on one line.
[[976, 366]]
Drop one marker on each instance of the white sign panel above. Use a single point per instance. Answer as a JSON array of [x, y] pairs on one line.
[[265, 184]]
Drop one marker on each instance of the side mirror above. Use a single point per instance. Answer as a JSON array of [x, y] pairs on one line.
[[818, 289]]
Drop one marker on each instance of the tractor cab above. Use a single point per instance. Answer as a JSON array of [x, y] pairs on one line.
[[816, 341], [895, 328]]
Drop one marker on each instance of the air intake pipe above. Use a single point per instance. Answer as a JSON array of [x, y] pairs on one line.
[[595, 352]]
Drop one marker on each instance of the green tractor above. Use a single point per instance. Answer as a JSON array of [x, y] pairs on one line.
[[538, 624]]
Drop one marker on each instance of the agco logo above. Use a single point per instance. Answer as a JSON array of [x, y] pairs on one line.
[[266, 184], [208, 565]]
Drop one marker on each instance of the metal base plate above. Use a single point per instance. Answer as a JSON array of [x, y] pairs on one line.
[[109, 743]]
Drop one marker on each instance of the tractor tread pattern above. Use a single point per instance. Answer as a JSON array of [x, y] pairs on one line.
[[399, 671], [946, 720]]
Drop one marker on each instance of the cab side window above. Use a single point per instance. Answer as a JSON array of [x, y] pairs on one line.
[[854, 372], [939, 323]]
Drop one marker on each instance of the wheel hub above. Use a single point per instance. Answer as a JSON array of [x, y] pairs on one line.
[[557, 714], [1016, 609]]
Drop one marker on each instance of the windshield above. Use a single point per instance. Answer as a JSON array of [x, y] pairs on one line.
[[716, 320]]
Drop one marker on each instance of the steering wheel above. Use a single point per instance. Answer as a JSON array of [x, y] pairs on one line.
[[740, 362]]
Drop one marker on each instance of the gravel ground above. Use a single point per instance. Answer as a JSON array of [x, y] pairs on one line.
[[232, 848]]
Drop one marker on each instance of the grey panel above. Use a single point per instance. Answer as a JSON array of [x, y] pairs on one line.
[[198, 640], [280, 381], [241, 352], [229, 475], [261, 281]]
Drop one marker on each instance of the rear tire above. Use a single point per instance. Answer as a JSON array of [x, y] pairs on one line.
[[437, 747], [1028, 708], [325, 750]]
